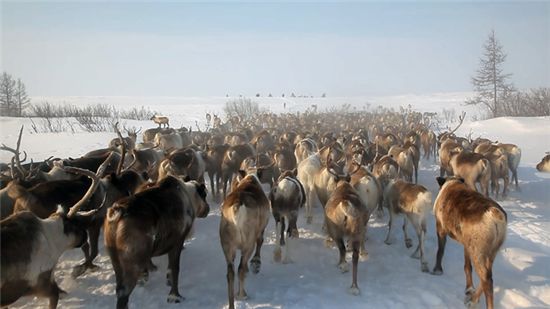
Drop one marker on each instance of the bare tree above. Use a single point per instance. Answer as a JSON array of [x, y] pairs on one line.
[[490, 81], [21, 98], [7, 94], [244, 108]]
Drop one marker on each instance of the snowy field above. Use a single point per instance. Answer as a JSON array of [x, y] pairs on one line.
[[388, 278]]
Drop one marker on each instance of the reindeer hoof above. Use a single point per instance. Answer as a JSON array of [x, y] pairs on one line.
[[143, 279], [329, 243], [354, 291], [174, 298], [424, 268], [277, 255], [408, 243], [295, 234], [241, 296], [468, 299], [344, 267], [388, 242], [287, 260], [82, 268], [255, 264], [151, 266], [437, 272]]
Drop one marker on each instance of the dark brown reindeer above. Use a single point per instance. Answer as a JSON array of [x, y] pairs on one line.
[[245, 214], [153, 222], [479, 224], [31, 247]]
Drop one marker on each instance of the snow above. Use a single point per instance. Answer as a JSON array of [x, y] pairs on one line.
[[388, 278]]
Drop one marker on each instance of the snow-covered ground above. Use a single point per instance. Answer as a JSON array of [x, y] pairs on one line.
[[388, 278]]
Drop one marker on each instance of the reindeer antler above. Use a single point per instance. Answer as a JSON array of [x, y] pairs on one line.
[[95, 182], [16, 155], [124, 146], [461, 119]]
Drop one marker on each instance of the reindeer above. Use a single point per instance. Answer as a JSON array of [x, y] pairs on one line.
[[448, 147], [314, 176], [168, 141], [479, 224], [153, 222], [213, 165], [31, 247], [245, 214], [429, 144], [405, 160], [305, 148], [513, 153], [472, 167], [414, 201], [161, 121], [346, 216], [499, 166], [544, 164], [369, 190], [149, 134], [287, 197], [232, 160], [183, 162]]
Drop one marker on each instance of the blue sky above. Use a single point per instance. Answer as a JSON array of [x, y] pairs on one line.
[[213, 49]]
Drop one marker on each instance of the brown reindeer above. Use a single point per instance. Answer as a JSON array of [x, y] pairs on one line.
[[448, 147], [346, 216], [161, 121], [153, 222], [245, 214], [479, 224]]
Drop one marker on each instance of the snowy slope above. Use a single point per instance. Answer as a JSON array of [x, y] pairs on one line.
[[388, 278]]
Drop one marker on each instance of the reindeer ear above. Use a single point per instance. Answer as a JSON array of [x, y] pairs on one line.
[[242, 173], [259, 173], [441, 180]]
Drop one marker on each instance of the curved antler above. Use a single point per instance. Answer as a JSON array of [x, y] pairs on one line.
[[124, 146], [16, 154], [461, 119], [95, 182]]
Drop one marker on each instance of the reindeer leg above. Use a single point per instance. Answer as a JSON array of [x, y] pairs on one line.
[[309, 206], [441, 241], [174, 265], [292, 233], [354, 289], [279, 234], [342, 264], [408, 241], [256, 260], [229, 253], [468, 272], [390, 225], [243, 270]]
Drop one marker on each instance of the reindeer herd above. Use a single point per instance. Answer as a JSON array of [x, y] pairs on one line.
[[146, 195]]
